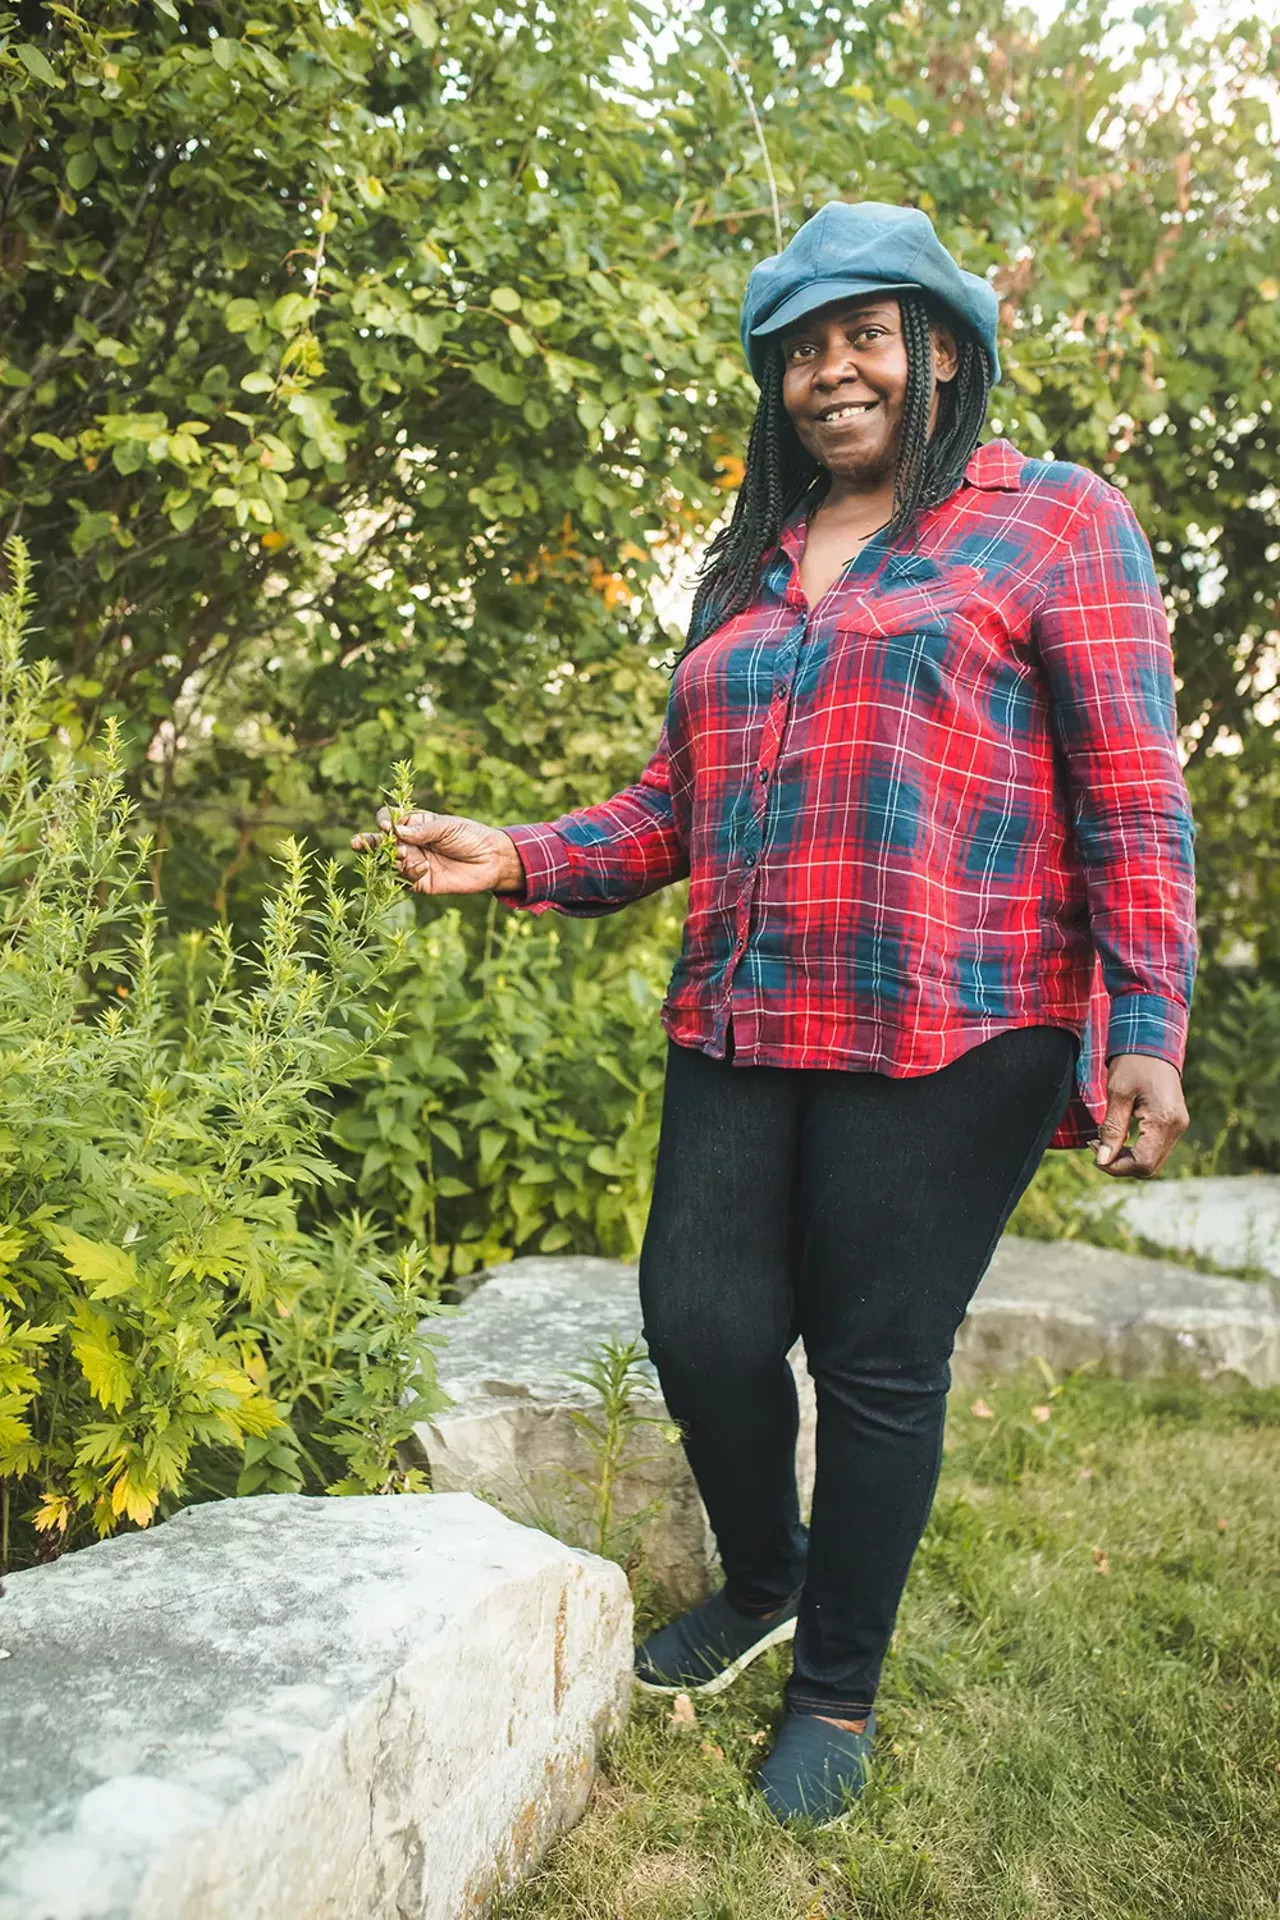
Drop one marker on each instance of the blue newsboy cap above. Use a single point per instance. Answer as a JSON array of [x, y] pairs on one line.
[[871, 248]]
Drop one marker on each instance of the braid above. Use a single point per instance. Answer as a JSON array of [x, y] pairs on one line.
[[778, 471], [931, 466]]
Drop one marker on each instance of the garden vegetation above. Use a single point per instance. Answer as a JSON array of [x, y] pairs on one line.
[[366, 376]]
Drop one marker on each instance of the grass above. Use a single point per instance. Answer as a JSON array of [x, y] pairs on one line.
[[1080, 1715]]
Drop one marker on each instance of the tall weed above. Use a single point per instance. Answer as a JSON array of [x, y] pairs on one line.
[[162, 1124]]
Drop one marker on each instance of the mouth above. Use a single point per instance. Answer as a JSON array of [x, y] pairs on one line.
[[846, 410]]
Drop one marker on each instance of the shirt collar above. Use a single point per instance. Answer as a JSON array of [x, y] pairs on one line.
[[995, 467]]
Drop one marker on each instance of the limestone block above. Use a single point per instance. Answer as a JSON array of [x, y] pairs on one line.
[[511, 1434], [1233, 1219], [301, 1709], [1069, 1303]]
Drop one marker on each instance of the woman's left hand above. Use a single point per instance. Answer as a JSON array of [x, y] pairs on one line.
[[1148, 1091]]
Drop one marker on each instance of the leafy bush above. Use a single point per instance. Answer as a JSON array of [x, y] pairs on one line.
[[1233, 1075], [517, 1107], [167, 1321]]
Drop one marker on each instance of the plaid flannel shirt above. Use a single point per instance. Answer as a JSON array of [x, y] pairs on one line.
[[944, 802]]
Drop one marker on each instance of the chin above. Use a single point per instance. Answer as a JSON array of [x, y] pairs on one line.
[[868, 469]]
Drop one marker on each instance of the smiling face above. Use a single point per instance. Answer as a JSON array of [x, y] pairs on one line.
[[844, 385]]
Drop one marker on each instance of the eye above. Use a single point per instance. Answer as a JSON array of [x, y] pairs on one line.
[[797, 349]]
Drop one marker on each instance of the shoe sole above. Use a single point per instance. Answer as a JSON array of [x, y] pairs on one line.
[[777, 1637]]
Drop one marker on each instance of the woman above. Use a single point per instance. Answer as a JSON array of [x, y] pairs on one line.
[[920, 767]]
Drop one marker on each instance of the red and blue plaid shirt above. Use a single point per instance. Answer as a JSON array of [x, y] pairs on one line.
[[943, 802]]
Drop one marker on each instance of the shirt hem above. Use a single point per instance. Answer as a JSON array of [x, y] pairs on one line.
[[1078, 1127]]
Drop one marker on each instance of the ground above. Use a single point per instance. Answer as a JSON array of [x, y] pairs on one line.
[[1080, 1715]]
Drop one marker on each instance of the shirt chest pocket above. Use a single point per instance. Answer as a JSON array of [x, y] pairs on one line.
[[927, 637]]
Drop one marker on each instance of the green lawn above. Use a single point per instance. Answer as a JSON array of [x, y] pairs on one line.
[[1080, 1716]]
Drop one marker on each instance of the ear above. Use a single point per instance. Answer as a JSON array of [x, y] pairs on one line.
[[946, 355]]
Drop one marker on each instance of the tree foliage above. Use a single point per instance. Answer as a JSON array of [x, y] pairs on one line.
[[363, 369]]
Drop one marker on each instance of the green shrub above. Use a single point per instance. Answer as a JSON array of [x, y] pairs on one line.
[[1233, 1075], [169, 1327], [516, 1108]]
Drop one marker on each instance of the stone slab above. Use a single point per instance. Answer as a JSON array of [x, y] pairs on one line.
[[301, 1709], [1071, 1304], [511, 1432], [505, 1362], [1233, 1219]]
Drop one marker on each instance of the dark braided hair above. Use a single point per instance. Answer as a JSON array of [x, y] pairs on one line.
[[779, 472]]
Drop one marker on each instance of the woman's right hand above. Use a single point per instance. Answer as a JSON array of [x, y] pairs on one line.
[[444, 853]]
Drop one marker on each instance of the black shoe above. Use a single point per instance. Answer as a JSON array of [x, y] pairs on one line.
[[708, 1647], [816, 1771]]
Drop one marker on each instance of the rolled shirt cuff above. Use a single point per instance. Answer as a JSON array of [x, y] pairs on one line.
[[546, 867], [1148, 1023]]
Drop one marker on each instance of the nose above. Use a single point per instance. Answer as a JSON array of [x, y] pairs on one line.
[[837, 364]]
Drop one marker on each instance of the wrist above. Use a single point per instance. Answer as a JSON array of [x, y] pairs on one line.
[[511, 874]]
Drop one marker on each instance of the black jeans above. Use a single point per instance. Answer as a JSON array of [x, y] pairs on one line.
[[859, 1213]]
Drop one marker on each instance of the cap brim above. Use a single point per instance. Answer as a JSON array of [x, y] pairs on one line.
[[824, 293]]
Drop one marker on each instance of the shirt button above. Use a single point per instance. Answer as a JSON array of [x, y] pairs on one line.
[[750, 859], [763, 776]]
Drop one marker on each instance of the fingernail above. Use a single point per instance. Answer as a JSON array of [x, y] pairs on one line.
[[1105, 1153]]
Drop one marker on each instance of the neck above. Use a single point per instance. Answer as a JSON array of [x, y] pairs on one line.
[[857, 503]]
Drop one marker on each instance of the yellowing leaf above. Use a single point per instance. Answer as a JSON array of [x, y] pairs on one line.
[[135, 1495], [53, 1515], [105, 1368], [107, 1270]]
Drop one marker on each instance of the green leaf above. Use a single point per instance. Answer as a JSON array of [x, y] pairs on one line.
[[258, 382], [239, 315], [506, 300], [37, 66], [132, 426], [90, 530], [291, 311], [423, 26], [542, 313], [64, 449], [128, 455], [492, 1143], [446, 1131], [507, 387], [105, 1269], [164, 1179], [316, 414], [226, 51], [81, 168]]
